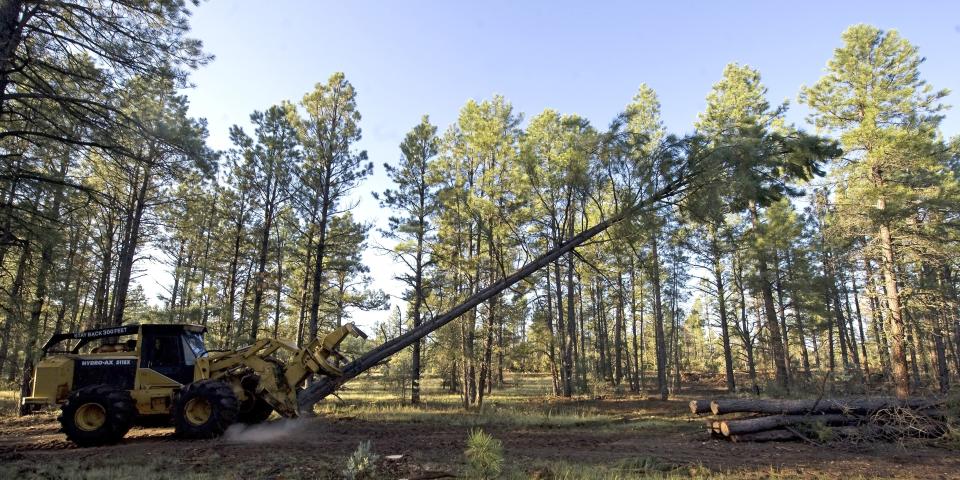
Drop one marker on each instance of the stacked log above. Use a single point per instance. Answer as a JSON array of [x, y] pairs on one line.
[[766, 420]]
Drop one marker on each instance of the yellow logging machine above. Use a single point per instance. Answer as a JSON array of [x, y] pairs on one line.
[[142, 371]]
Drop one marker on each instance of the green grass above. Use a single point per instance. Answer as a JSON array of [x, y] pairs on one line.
[[524, 402]]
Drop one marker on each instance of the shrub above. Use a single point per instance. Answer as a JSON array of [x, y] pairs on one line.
[[484, 456], [362, 465]]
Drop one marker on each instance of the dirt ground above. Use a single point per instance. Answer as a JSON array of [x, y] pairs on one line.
[[31, 447]]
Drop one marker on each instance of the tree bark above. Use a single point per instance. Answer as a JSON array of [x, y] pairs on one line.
[[898, 355], [259, 280], [325, 201], [760, 424], [722, 308], [775, 338], [571, 336], [661, 344], [798, 319], [13, 307], [858, 405]]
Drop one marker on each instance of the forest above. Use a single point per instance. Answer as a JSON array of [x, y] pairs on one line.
[[814, 256]]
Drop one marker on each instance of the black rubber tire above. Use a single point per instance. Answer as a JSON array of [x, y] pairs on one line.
[[224, 409], [259, 411], [116, 402]]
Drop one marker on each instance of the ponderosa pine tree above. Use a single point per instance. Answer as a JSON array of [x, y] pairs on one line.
[[556, 157], [414, 200], [645, 164], [888, 128], [268, 164], [763, 156], [331, 167]]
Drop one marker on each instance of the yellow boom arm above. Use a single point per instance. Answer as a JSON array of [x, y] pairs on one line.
[[253, 372]]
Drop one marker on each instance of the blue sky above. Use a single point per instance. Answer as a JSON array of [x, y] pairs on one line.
[[412, 58]]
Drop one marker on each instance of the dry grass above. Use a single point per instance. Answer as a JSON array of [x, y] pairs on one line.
[[525, 401], [9, 400], [97, 469]]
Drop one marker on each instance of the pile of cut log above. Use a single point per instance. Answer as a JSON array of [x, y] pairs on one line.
[[765, 420]]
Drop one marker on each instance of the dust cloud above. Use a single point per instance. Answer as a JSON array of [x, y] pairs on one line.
[[263, 432]]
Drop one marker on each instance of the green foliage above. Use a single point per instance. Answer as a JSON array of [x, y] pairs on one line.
[[362, 464], [484, 456]]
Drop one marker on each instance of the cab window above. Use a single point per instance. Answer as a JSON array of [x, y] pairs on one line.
[[166, 351]]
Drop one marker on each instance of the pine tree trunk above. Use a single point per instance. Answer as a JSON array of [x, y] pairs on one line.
[[561, 326], [13, 307], [782, 311], [175, 290], [100, 297], [724, 322], [618, 327], [898, 355], [307, 270], [232, 277], [744, 324], [851, 332], [661, 345], [418, 295], [878, 319], [128, 250], [259, 280], [674, 313], [326, 204], [48, 242], [552, 346], [571, 336], [798, 319], [33, 323], [863, 338], [775, 338], [637, 384], [279, 302]]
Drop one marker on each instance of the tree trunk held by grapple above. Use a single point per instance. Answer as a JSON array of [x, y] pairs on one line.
[[319, 390]]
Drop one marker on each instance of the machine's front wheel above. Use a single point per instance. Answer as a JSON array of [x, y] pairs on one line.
[[97, 415], [205, 409]]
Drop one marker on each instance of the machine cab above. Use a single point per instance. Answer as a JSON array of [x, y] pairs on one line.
[[171, 350]]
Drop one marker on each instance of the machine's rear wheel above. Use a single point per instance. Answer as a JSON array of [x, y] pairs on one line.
[[204, 409], [97, 415], [258, 411]]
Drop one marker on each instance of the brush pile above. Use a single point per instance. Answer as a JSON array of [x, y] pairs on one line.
[[820, 420]]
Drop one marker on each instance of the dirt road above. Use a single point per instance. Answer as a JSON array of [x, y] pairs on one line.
[[31, 447]]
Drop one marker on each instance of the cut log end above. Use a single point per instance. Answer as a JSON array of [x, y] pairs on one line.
[[699, 407]]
